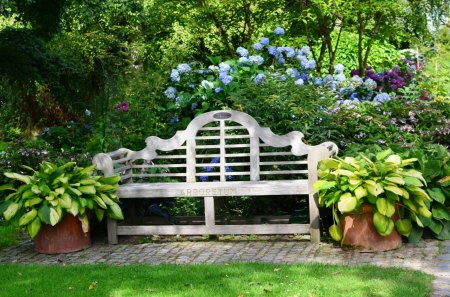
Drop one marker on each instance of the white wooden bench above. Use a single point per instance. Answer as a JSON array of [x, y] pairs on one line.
[[253, 161]]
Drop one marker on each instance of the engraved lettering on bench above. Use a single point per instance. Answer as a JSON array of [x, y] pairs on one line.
[[208, 192]]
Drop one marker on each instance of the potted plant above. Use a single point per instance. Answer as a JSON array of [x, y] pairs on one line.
[[58, 199], [382, 194]]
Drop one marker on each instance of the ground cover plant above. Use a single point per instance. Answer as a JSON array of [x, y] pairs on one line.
[[8, 235], [239, 279]]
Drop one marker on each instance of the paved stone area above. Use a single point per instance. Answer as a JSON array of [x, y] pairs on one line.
[[429, 256]]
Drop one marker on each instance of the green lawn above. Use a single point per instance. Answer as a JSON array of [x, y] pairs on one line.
[[8, 235], [211, 280]]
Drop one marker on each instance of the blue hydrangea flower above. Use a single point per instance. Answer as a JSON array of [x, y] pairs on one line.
[[242, 52], [208, 168], [264, 41], [328, 78], [279, 31], [207, 84], [273, 51], [191, 85], [282, 78], [310, 65], [290, 52], [318, 81], [370, 83], [304, 76], [224, 67], [184, 68], [194, 105], [256, 59], [356, 81], [177, 100], [204, 178], [259, 79], [174, 120], [339, 68], [215, 160], [175, 75], [258, 46], [299, 82], [226, 79], [305, 50], [354, 96], [382, 97], [244, 60], [340, 77], [292, 72], [218, 89], [170, 93], [302, 59], [281, 60], [213, 67]]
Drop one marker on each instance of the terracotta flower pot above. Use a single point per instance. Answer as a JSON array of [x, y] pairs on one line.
[[65, 237], [360, 234]]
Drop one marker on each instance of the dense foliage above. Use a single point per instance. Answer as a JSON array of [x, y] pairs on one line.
[[80, 77]]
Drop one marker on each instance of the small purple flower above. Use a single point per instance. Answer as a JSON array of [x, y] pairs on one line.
[[122, 106], [279, 31]]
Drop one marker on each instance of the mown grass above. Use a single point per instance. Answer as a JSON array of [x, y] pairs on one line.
[[8, 235], [239, 279]]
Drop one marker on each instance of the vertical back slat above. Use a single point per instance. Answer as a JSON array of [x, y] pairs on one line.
[[222, 151], [254, 158], [190, 158]]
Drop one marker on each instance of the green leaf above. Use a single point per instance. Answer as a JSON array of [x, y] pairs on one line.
[[385, 207], [404, 227], [435, 226], [99, 213], [347, 203], [396, 179], [424, 211], [84, 223], [360, 192], [90, 190], [394, 159], [7, 187], [375, 190], [413, 173], [100, 202], [54, 217], [394, 189], [383, 224], [345, 172], [34, 227], [44, 214], [23, 178], [11, 210], [65, 201], [437, 195], [26, 218], [335, 232], [323, 184], [415, 235], [440, 212], [74, 208], [445, 233], [114, 212], [412, 181], [382, 155]]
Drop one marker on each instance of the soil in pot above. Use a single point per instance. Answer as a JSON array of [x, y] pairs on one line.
[[360, 234], [65, 237]]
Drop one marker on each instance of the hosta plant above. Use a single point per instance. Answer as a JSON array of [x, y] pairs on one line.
[[46, 195], [386, 183]]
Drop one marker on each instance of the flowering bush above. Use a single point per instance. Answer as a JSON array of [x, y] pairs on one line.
[[195, 89]]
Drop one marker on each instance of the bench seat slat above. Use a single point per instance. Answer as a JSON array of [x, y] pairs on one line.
[[215, 189], [216, 229]]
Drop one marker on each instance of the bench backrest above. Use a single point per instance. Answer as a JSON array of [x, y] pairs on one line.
[[218, 146]]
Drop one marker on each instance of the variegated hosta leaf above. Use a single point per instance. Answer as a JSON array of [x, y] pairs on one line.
[[375, 190], [413, 181], [345, 172], [382, 155], [347, 203], [23, 178], [34, 227], [397, 179], [11, 211], [394, 159], [360, 192], [74, 208], [404, 227], [323, 184], [383, 224], [414, 173], [335, 232], [54, 216], [114, 212], [385, 207], [26, 218], [394, 189], [84, 223], [65, 201]]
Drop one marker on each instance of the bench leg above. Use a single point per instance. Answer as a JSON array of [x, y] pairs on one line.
[[210, 217], [112, 231], [314, 227]]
